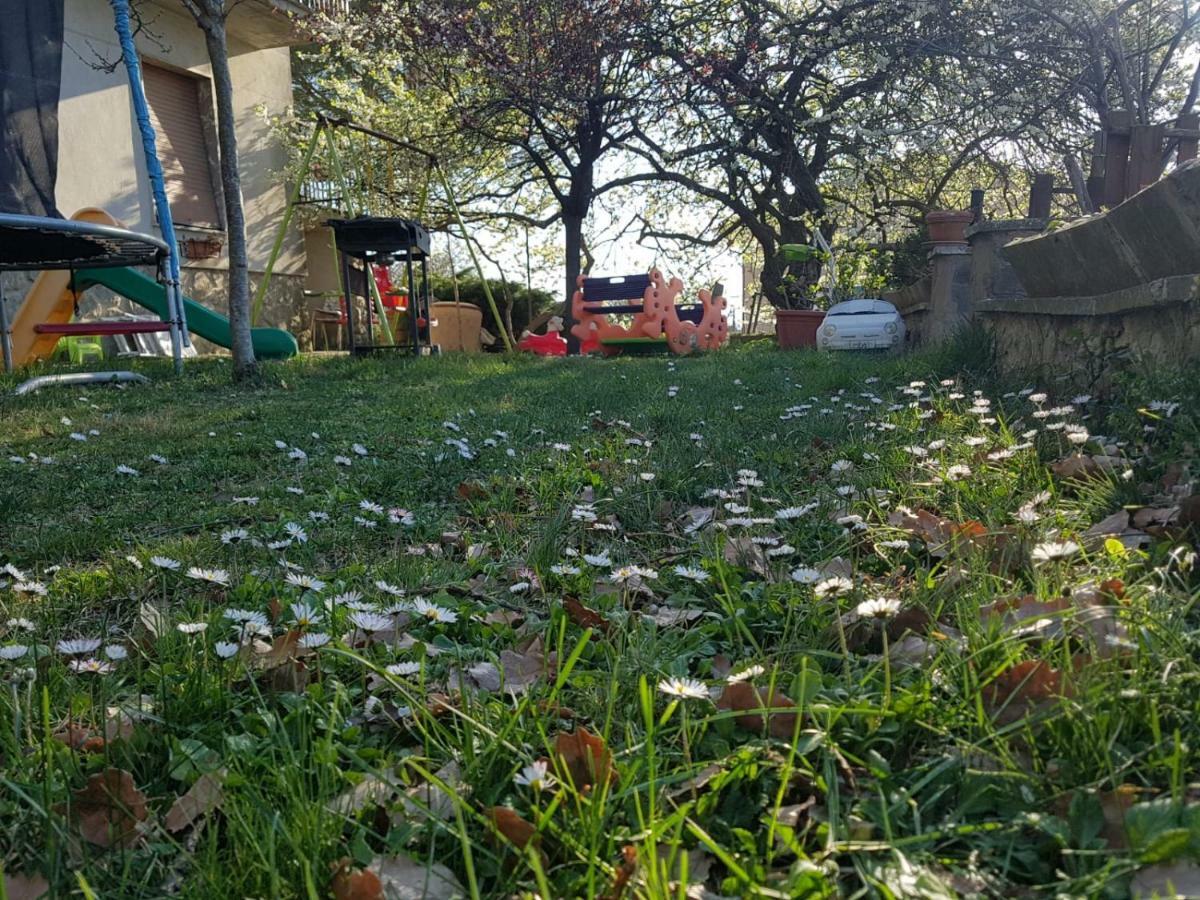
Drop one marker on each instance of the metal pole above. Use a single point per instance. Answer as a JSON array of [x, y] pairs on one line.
[[414, 306], [5, 334], [173, 303], [349, 298]]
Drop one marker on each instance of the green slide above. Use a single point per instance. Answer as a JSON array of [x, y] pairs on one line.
[[269, 343]]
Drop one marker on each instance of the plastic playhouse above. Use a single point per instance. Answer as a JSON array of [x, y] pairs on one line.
[[657, 321]]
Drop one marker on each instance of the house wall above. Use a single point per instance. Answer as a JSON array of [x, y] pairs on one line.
[[100, 155]]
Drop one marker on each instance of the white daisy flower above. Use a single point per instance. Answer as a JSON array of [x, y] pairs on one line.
[[359, 449], [297, 454], [212, 576], [115, 652], [686, 688], [599, 560], [90, 666], [312, 640], [745, 674], [806, 575], [234, 535], [1052, 550], [165, 562], [127, 470], [403, 669], [370, 506], [78, 646], [370, 621], [9, 652], [30, 587], [692, 573], [226, 649], [246, 501], [877, 608], [304, 582], [192, 627], [563, 569], [433, 612], [535, 776], [342, 461], [833, 587]]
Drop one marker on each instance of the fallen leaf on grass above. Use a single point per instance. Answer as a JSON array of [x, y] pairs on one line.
[[1029, 687], [943, 538], [79, 738], [696, 518], [471, 490], [625, 872], [519, 668], [200, 799], [742, 551], [584, 758], [352, 883], [108, 808], [669, 617], [512, 827], [1115, 527], [429, 800], [25, 887], [585, 617], [743, 696], [155, 622], [1088, 612], [407, 879], [1080, 467]]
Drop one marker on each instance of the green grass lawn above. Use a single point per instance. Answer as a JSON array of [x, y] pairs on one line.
[[753, 624]]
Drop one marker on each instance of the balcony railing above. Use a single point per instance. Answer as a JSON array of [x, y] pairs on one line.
[[327, 7]]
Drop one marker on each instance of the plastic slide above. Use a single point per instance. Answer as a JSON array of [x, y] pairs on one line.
[[51, 301]]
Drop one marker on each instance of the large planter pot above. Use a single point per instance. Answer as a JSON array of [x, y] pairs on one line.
[[455, 326], [949, 226], [797, 327]]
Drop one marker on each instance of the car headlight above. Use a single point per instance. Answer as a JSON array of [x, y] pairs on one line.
[[830, 329], [890, 327]]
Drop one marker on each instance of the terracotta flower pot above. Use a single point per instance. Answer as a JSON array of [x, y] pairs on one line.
[[948, 226], [797, 327]]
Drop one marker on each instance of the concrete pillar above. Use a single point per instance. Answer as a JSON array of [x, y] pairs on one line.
[[949, 295], [992, 278]]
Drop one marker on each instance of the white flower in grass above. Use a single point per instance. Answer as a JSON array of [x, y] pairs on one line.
[[30, 587], [745, 674], [389, 588], [226, 649], [1052, 550], [304, 582], [165, 562], [877, 608], [894, 544], [234, 535], [127, 470], [359, 449], [192, 627], [398, 516], [234, 614], [116, 652], [212, 576], [624, 574], [76, 436], [686, 688], [833, 587], [519, 588], [317, 516], [90, 666], [563, 569], [692, 573], [781, 550], [10, 569], [9, 652], [281, 445], [78, 646], [22, 623], [806, 575], [312, 640], [646, 476], [279, 545], [297, 454], [370, 621], [1038, 398], [305, 615], [296, 532], [365, 523], [841, 465], [349, 599], [939, 444], [599, 560], [403, 669], [975, 441], [157, 458], [535, 776], [371, 507], [342, 461], [433, 612], [246, 501], [958, 472], [1077, 435]]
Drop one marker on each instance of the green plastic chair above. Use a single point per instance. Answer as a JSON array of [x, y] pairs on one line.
[[80, 348]]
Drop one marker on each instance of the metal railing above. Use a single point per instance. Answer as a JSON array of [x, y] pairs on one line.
[[327, 7]]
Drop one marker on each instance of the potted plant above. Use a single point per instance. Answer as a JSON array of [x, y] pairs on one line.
[[797, 323], [948, 226]]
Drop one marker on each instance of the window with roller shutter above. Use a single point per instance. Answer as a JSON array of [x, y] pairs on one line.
[[181, 112]]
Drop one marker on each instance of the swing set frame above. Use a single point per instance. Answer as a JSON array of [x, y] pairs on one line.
[[353, 205]]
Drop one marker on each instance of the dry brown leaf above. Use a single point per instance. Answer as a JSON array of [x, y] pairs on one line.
[[585, 617], [352, 883], [200, 799], [625, 872], [108, 808], [471, 490], [153, 620], [429, 801], [403, 878], [514, 829], [584, 758], [696, 518], [371, 791], [1027, 688], [742, 551], [743, 696], [25, 887], [1116, 527], [670, 617], [79, 738]]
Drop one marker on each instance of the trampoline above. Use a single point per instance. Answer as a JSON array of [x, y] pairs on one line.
[[31, 243]]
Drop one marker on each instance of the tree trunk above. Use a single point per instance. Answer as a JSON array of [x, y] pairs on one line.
[[573, 227], [244, 364], [789, 285]]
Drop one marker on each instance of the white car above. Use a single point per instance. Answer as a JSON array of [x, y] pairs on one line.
[[861, 325]]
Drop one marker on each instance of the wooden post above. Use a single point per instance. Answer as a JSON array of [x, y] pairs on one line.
[[1095, 179], [977, 204], [1041, 195], [1187, 145], [1078, 185], [1116, 156], [1145, 157]]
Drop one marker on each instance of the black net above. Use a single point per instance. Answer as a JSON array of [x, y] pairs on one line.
[[31, 45]]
